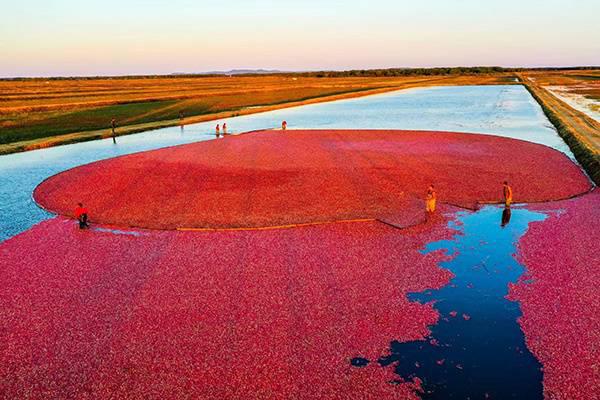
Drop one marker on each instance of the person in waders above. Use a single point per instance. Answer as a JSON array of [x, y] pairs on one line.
[[508, 194], [113, 126], [430, 200], [218, 130], [81, 213], [224, 129], [284, 125]]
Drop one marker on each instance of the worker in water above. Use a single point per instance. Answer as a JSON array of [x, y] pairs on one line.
[[113, 126], [181, 116], [284, 125], [508, 194], [218, 130], [81, 213], [224, 129], [430, 199]]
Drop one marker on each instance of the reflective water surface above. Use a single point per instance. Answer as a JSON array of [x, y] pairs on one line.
[[477, 350], [501, 110]]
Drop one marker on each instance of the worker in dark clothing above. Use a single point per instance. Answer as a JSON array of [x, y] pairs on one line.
[[113, 125], [81, 213]]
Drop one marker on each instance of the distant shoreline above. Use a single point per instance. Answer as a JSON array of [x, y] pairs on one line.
[[372, 72], [88, 135]]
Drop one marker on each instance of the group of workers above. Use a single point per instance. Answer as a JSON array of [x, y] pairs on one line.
[[219, 130], [431, 197], [81, 213], [507, 192]]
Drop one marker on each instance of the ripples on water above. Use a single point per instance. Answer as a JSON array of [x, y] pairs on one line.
[[502, 110]]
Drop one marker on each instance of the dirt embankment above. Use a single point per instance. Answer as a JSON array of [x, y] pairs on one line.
[[579, 131]]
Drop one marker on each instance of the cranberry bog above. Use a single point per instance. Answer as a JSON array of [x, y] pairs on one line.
[[274, 178], [500, 110], [302, 265], [308, 270]]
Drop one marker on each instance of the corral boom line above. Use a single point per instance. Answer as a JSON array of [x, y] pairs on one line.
[[288, 226]]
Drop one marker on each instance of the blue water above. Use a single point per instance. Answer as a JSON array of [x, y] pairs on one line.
[[483, 355], [502, 110]]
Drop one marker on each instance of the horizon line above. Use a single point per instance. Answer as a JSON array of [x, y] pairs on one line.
[[267, 71]]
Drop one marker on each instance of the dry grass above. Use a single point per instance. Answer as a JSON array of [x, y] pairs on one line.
[[586, 83], [33, 111]]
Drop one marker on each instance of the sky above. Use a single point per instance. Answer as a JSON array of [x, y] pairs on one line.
[[128, 37]]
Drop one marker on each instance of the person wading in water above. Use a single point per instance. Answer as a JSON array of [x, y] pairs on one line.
[[218, 130], [284, 125], [224, 129], [81, 213], [508, 194], [430, 200], [113, 125]]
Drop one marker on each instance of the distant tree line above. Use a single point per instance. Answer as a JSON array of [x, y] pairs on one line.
[[429, 71], [407, 72]]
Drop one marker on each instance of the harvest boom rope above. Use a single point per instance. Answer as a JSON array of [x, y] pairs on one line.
[[476, 207], [288, 226]]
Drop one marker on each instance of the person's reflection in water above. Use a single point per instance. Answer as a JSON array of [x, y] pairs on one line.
[[505, 217]]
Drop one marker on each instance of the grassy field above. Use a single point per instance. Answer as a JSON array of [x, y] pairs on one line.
[[38, 113]]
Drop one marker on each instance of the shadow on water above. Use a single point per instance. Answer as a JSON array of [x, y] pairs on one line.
[[477, 350]]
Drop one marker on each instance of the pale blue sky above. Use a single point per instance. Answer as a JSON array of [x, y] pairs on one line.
[[110, 37]]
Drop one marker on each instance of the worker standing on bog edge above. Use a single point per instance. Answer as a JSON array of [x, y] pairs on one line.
[[224, 129], [430, 199], [284, 125], [508, 194], [218, 130], [81, 213]]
